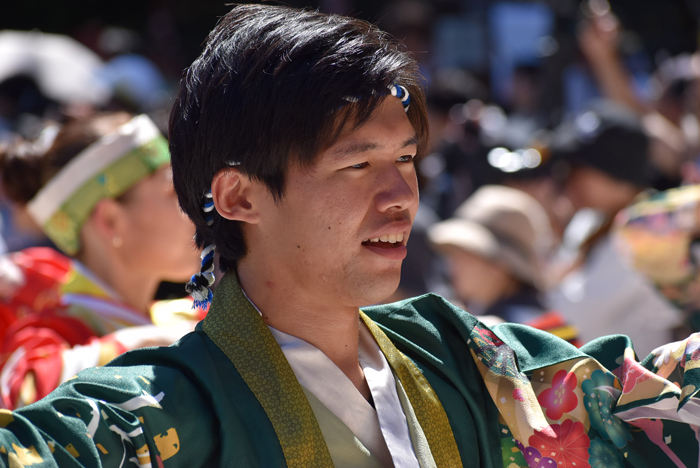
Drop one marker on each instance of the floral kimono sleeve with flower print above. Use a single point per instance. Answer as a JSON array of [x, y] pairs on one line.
[[601, 409]]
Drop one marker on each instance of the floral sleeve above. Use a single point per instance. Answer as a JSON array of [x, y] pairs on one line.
[[594, 407]]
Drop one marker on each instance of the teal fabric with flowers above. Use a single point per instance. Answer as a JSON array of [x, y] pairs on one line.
[[556, 405]]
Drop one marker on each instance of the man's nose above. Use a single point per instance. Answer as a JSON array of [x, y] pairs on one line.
[[397, 190]]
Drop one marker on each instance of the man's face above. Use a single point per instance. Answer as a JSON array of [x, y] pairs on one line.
[[318, 238]]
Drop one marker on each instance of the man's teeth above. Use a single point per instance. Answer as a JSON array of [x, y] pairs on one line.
[[390, 238]]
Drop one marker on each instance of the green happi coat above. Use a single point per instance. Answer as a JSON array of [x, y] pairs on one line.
[[509, 396]]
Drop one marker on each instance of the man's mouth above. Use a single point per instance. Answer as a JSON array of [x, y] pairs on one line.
[[387, 241]]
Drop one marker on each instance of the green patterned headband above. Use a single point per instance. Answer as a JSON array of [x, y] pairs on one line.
[[105, 169]]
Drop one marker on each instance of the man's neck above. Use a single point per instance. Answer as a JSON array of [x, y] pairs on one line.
[[331, 328]]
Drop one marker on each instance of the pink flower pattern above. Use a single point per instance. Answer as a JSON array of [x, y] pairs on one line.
[[560, 398], [568, 447]]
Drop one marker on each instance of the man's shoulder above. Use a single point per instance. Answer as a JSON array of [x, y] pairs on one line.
[[154, 398], [425, 328], [430, 322], [189, 369], [186, 365], [194, 358], [415, 309]]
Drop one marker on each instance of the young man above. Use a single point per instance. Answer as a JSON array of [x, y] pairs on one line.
[[303, 126]]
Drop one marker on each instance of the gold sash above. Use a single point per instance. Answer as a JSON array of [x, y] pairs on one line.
[[429, 411]]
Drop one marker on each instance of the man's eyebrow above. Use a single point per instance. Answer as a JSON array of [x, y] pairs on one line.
[[410, 142], [354, 147], [357, 147]]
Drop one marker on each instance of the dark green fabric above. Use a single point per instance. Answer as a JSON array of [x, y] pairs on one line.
[[535, 348], [193, 390], [216, 416]]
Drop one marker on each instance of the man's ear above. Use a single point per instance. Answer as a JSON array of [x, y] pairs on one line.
[[233, 194]]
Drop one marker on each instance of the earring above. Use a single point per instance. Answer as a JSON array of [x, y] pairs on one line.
[[117, 241]]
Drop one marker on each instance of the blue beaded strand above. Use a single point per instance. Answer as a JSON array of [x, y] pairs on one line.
[[200, 283]]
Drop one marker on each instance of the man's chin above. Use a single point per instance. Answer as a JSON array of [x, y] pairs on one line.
[[378, 291]]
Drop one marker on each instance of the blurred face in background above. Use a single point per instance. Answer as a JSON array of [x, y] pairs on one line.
[[158, 236], [588, 187], [477, 280]]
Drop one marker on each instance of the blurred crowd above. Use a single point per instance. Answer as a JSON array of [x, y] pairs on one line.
[[560, 189]]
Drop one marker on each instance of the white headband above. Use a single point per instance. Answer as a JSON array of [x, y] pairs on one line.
[[88, 163]]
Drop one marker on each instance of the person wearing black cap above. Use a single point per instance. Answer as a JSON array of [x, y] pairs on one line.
[[606, 152]]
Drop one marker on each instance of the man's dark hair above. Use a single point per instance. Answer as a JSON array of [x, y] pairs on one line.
[[269, 90]]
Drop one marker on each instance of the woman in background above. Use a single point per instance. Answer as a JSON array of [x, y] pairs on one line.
[[103, 193], [494, 246]]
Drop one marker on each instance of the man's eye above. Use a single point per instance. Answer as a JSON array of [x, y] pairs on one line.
[[359, 166], [407, 158]]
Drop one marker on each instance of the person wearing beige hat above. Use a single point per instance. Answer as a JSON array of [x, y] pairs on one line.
[[494, 246]]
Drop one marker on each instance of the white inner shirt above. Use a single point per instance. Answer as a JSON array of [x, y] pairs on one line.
[[384, 431]]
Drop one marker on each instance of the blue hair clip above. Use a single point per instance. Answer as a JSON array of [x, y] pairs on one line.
[[395, 90], [401, 93]]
